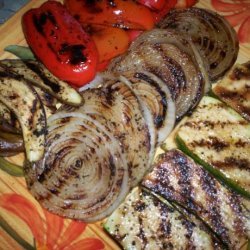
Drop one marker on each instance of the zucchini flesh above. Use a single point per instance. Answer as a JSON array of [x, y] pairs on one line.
[[178, 178], [234, 89], [145, 222], [220, 138], [23, 101]]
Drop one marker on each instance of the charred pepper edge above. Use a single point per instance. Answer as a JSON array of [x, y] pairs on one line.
[[212, 170]]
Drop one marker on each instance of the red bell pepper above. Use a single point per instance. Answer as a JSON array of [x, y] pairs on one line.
[[110, 41], [158, 15], [153, 4], [123, 14], [60, 42]]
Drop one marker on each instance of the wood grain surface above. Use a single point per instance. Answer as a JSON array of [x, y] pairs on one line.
[[11, 33]]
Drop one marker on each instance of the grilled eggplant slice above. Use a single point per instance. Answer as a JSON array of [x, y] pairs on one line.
[[37, 74], [234, 89], [23, 101], [219, 139], [145, 222], [154, 95], [178, 178], [116, 105], [164, 54], [84, 173], [213, 36]]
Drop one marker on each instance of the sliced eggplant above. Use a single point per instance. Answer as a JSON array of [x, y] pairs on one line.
[[145, 222], [234, 89], [219, 138], [156, 96], [23, 101], [37, 74], [179, 179], [116, 106], [213, 36]]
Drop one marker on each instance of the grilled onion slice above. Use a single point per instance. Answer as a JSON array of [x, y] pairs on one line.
[[168, 56], [84, 173], [116, 106], [213, 36], [156, 96]]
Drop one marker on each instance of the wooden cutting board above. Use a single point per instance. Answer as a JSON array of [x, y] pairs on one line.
[[19, 209]]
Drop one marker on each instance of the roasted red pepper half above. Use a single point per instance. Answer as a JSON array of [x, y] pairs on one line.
[[169, 4], [60, 42], [110, 41], [117, 13]]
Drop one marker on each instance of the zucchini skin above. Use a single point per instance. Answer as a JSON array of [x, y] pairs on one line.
[[178, 178], [11, 168], [212, 170], [218, 138], [145, 222]]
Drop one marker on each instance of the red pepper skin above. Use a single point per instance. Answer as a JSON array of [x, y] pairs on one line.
[[153, 4], [60, 42], [169, 4], [117, 13]]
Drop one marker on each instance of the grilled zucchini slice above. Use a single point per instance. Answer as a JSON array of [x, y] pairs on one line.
[[37, 74], [234, 89], [145, 222], [218, 138], [178, 178], [23, 101]]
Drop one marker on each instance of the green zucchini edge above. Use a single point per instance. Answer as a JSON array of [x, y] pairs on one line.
[[215, 172]]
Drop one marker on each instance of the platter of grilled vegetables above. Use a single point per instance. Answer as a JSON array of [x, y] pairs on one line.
[[92, 154]]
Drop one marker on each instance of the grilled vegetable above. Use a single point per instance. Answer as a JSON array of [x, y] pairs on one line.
[[117, 107], [172, 59], [10, 144], [145, 222], [213, 36], [110, 41], [23, 101], [11, 168], [84, 173], [59, 41], [155, 95], [123, 14], [219, 139], [178, 178], [234, 89], [36, 73]]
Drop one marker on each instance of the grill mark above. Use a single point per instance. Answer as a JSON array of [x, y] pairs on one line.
[[141, 233], [165, 226], [37, 70], [175, 70], [212, 143], [231, 163], [212, 213], [158, 121], [197, 125]]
